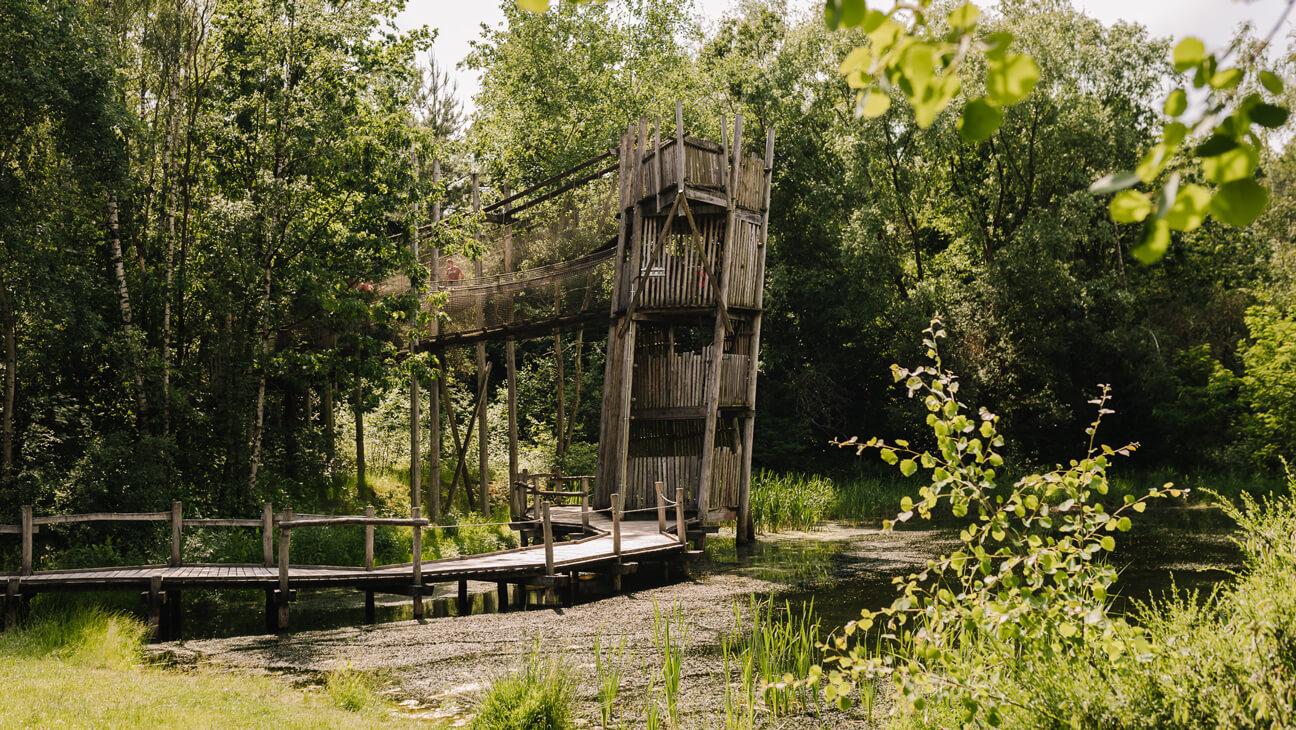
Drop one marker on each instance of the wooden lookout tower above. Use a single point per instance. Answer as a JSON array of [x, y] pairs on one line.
[[683, 343], [669, 255]]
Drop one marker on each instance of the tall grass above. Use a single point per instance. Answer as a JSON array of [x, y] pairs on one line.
[[671, 636], [84, 668], [538, 696], [779, 642], [790, 501], [351, 690], [607, 666], [90, 637]]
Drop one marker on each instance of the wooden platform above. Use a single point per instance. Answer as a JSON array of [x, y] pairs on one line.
[[590, 550]]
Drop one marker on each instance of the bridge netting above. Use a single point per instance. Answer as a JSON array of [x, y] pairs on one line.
[[545, 261]]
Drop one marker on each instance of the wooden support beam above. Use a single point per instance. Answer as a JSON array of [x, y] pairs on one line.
[[175, 616], [154, 598], [177, 524], [285, 537], [483, 475], [746, 528], [463, 604], [501, 596], [370, 609], [549, 552], [680, 150], [716, 351], [13, 600], [434, 393], [416, 560]]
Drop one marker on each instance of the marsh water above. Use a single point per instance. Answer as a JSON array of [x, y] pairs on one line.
[[840, 568]]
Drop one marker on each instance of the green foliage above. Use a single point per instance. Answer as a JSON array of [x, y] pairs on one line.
[[351, 690], [538, 696], [1269, 379], [607, 669], [1028, 576], [780, 643], [790, 501], [88, 637], [671, 637]]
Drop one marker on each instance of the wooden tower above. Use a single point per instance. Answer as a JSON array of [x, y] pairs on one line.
[[680, 382]]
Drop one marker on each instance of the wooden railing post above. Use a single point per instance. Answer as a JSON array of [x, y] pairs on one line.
[[369, 537], [27, 539], [585, 503], [285, 536], [616, 525], [661, 506], [549, 553], [177, 523], [416, 558], [521, 488], [267, 534], [679, 516]]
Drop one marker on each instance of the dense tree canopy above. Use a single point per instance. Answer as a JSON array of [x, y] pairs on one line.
[[195, 197]]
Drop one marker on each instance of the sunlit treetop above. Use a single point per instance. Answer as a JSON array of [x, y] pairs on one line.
[[914, 51]]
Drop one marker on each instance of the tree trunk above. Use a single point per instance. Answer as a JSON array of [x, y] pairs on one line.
[[560, 449], [576, 394], [9, 322], [362, 487], [263, 361], [123, 295]]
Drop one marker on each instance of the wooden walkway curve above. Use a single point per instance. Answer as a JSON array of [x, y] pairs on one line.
[[597, 544]]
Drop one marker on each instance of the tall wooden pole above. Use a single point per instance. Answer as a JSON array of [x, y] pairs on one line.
[[510, 357], [416, 452], [716, 365], [434, 394], [483, 478], [745, 527]]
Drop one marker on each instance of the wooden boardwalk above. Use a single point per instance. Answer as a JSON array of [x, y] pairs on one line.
[[597, 545]]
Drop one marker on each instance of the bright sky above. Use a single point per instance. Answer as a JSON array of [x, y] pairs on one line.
[[459, 21]]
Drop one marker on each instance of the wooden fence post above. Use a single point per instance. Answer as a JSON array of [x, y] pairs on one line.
[[177, 523], [661, 506], [285, 536], [679, 517], [616, 524], [369, 539], [585, 503], [27, 539], [267, 534], [417, 560], [549, 553]]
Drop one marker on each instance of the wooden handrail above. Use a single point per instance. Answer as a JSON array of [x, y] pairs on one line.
[[356, 520], [102, 517]]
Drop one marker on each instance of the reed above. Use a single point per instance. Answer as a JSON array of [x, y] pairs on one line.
[[671, 635], [776, 644], [607, 664]]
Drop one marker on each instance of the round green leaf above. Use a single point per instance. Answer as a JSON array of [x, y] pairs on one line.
[[1236, 164], [1239, 202], [1156, 241], [1272, 81], [1269, 115], [852, 12], [1130, 206], [1010, 80], [1217, 144], [534, 6], [980, 120], [964, 17], [1188, 53], [1190, 208], [1108, 543], [875, 105], [1226, 79], [1176, 103], [908, 467]]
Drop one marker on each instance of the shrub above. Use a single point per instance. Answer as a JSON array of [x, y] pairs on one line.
[[536, 697], [351, 690]]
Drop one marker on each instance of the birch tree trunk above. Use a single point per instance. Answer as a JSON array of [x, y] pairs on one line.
[[123, 295]]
